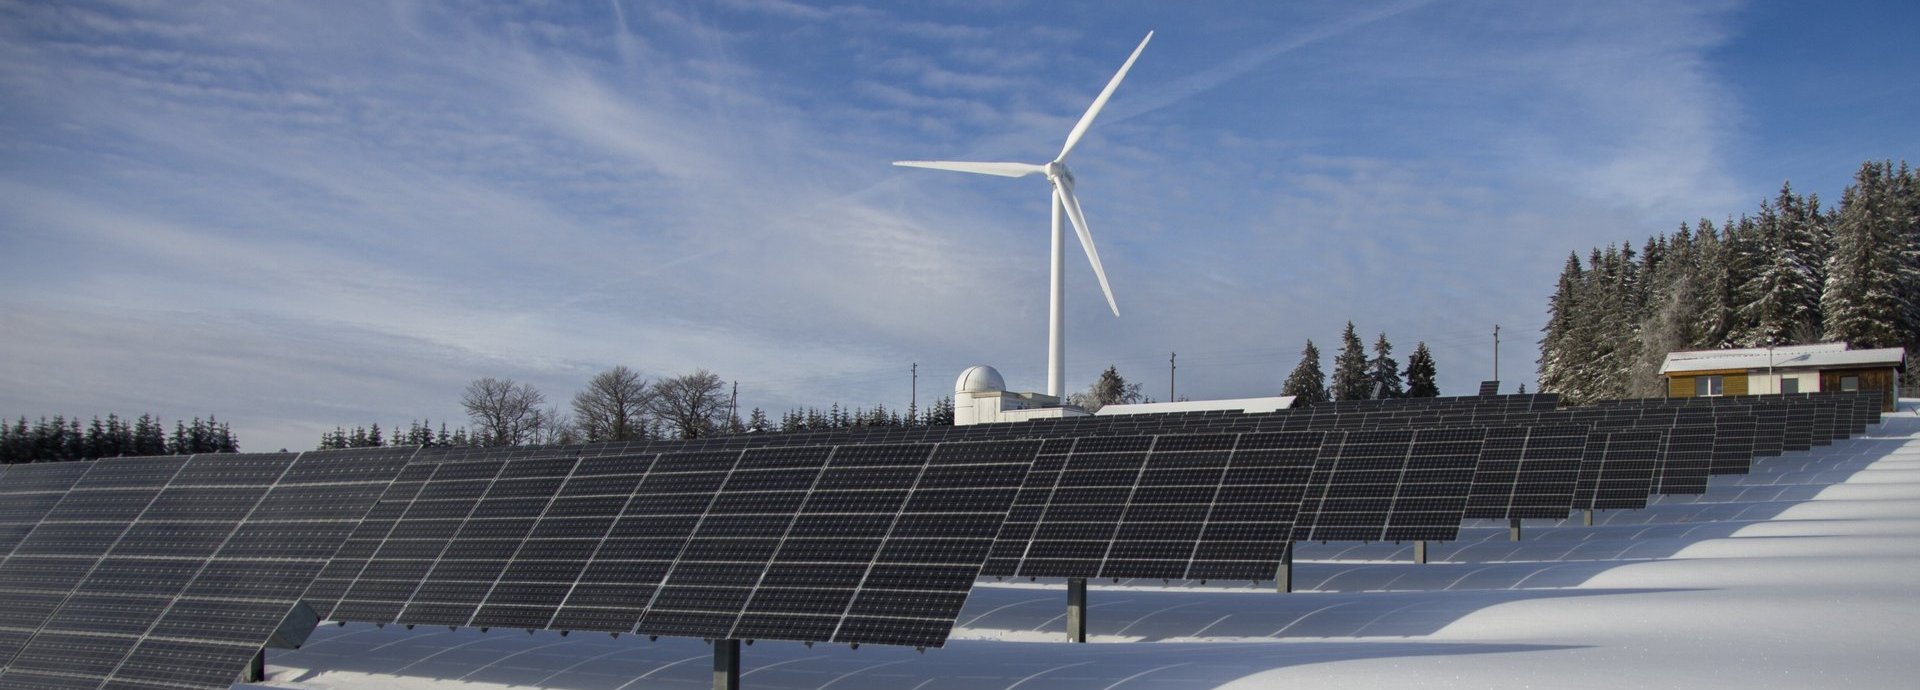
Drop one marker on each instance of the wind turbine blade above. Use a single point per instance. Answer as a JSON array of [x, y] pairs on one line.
[[1101, 102], [1064, 189], [1001, 169]]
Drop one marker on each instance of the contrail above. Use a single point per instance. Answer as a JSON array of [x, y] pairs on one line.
[[1220, 74]]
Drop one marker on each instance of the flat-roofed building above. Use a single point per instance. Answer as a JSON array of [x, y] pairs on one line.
[[1786, 369]]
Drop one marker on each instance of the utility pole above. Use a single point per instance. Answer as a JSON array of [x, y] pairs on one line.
[[913, 401], [1170, 370], [1496, 352], [733, 408]]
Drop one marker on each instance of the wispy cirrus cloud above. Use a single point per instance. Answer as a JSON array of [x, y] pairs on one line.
[[349, 210]]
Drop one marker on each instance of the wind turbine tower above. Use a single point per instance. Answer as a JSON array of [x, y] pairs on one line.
[[1063, 201]]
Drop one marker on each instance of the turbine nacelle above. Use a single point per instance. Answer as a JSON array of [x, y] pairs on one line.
[[1058, 170]]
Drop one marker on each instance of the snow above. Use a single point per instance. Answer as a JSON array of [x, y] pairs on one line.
[[1789, 357], [1801, 574]]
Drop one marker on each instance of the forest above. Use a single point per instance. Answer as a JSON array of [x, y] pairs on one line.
[[62, 438], [1791, 273]]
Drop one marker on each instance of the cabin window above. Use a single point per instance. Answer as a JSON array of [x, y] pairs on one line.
[[1708, 386], [1789, 386], [1849, 383]]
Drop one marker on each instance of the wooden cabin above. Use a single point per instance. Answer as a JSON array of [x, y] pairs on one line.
[[1787, 369]]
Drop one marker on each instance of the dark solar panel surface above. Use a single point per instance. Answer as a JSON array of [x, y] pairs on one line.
[[1686, 459], [27, 492], [172, 572], [854, 543], [1527, 472], [1212, 506], [1733, 441], [1617, 469], [1389, 485]]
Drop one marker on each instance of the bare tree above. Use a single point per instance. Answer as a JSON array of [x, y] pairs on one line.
[[613, 407], [554, 428], [692, 405], [504, 413]]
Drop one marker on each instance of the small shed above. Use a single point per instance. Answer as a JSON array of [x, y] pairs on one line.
[[1786, 369]]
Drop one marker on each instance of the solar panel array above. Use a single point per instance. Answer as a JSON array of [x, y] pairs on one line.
[[172, 572], [873, 543]]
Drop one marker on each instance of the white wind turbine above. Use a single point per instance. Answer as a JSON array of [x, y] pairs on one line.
[[1063, 199]]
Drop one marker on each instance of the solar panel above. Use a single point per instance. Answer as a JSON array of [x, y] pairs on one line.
[[184, 568], [1733, 441], [27, 492], [241, 593], [1389, 485], [1489, 387], [488, 536], [1686, 458], [63, 550], [424, 530], [874, 543], [1527, 472], [1770, 427], [1799, 425], [1175, 506], [1823, 420], [1617, 469]]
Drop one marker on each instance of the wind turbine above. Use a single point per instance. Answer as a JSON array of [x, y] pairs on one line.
[[1061, 180]]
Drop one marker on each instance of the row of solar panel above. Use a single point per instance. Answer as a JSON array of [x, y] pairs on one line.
[[856, 543]]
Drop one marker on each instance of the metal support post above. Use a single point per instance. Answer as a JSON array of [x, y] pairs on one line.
[[726, 665], [257, 668], [1420, 551], [1586, 516], [1283, 578], [1513, 529], [1076, 609]]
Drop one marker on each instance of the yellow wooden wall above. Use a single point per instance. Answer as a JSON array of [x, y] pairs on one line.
[[1732, 383]]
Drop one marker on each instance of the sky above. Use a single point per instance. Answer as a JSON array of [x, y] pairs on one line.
[[298, 216]]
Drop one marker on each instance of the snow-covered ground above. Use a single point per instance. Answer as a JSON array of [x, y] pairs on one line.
[[1805, 573]]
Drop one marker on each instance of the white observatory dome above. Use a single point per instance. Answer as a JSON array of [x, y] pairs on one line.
[[979, 379]]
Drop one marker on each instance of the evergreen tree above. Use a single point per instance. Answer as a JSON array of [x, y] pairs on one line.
[[1420, 373], [1110, 389], [940, 413], [1869, 299], [1783, 290], [1350, 380], [1307, 384], [1558, 361], [1384, 372], [757, 421]]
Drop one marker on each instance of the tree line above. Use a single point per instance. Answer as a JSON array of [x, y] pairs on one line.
[[1357, 376], [62, 438], [619, 405], [1791, 273]]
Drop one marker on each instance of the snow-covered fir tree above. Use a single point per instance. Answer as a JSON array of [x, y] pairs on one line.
[[1307, 384], [1350, 381], [1421, 381], [1383, 372]]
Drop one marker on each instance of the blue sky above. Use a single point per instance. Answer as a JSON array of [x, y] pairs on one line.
[[304, 215]]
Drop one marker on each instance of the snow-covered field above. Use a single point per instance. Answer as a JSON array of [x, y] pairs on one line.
[[1805, 573]]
